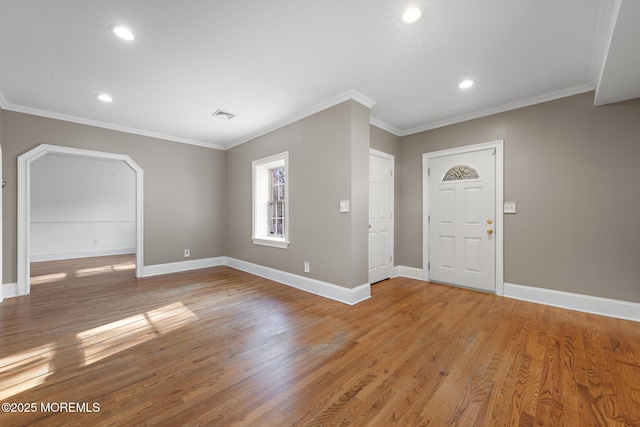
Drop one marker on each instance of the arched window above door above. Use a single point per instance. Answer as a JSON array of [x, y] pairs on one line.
[[460, 172]]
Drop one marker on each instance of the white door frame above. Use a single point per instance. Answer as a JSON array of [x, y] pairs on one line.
[[24, 204], [499, 190], [391, 158]]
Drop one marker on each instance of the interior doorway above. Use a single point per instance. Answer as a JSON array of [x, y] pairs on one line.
[[381, 195], [25, 164]]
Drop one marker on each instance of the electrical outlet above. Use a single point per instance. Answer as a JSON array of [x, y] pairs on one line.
[[307, 267], [510, 207], [187, 253]]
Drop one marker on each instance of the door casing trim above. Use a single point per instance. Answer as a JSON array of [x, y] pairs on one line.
[[499, 191]]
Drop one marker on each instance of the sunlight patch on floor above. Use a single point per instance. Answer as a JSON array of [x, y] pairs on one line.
[[23, 371], [85, 272], [48, 278], [124, 266], [93, 271], [107, 340]]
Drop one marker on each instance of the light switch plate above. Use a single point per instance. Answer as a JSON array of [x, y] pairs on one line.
[[510, 207], [344, 206]]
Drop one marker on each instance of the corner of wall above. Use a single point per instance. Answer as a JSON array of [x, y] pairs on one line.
[[360, 140]]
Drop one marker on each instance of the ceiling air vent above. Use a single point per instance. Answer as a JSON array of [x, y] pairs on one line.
[[223, 115]]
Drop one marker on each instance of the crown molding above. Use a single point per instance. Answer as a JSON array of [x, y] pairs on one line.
[[384, 126], [551, 96], [331, 102], [361, 98], [5, 105], [338, 99], [352, 94]]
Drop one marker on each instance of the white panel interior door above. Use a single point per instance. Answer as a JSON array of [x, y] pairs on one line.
[[380, 217], [462, 248]]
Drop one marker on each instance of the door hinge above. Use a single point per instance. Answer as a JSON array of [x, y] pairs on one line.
[[390, 258], [390, 172], [391, 215], [428, 171], [494, 151], [429, 266], [429, 219]]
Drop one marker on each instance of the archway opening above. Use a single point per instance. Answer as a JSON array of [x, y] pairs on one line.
[[25, 164]]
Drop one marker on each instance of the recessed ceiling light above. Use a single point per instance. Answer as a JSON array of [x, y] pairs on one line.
[[411, 15], [104, 97], [123, 33], [465, 84]]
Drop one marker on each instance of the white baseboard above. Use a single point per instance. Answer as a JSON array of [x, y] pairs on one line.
[[317, 287], [9, 290], [410, 272], [586, 303], [81, 254], [177, 267]]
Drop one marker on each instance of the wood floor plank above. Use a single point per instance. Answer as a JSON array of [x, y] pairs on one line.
[[222, 347]]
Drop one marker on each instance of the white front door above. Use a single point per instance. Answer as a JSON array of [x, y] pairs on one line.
[[380, 216], [462, 216]]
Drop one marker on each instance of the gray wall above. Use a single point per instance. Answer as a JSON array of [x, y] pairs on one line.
[[384, 141], [359, 209], [328, 161], [184, 186], [572, 168]]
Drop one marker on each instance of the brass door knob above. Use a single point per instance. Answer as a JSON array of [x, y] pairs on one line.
[[489, 221], [490, 231]]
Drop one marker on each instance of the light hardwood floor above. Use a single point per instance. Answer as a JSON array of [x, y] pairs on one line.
[[221, 347]]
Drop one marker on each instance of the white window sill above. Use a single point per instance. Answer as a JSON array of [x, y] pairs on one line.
[[271, 241]]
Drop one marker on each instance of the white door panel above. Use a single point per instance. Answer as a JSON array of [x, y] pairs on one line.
[[472, 206], [472, 255], [462, 212], [447, 252], [447, 206]]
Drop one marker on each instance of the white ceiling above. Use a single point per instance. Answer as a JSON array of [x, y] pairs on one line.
[[272, 62]]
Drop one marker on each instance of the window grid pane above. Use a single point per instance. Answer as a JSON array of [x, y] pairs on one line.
[[276, 218], [276, 204]]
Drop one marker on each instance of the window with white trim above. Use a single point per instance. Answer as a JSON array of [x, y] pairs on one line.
[[270, 201]]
